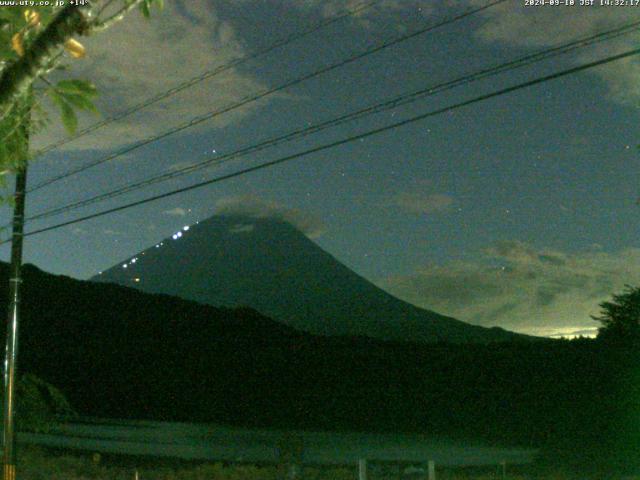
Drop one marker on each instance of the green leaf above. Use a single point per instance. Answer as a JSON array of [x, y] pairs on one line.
[[5, 49], [13, 15], [69, 118], [78, 87], [73, 94], [79, 101], [144, 8], [146, 5]]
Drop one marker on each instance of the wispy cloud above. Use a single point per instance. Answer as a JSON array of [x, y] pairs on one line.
[[255, 207], [363, 12], [138, 58], [519, 287], [516, 25], [331, 8], [178, 211], [242, 228]]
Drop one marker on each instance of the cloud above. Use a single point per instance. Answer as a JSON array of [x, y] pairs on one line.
[[139, 58], [242, 228], [178, 211], [519, 26], [330, 8], [519, 287], [421, 203], [589, 332], [254, 207]]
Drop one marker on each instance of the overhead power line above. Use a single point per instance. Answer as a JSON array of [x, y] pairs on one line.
[[343, 141], [377, 108], [253, 98], [210, 74]]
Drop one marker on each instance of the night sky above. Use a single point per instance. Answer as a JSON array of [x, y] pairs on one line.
[[519, 211]]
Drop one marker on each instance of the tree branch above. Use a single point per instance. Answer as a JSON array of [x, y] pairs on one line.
[[18, 77], [100, 26]]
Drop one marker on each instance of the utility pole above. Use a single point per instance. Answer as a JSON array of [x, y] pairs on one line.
[[11, 352], [15, 279]]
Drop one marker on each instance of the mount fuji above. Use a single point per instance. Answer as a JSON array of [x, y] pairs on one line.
[[271, 266]]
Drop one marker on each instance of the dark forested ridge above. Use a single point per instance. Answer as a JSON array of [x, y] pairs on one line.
[[121, 353]]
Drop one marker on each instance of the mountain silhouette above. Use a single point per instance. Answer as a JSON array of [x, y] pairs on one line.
[[269, 265], [117, 352]]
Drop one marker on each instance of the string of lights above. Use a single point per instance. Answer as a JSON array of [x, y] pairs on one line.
[[259, 96], [349, 139], [373, 109]]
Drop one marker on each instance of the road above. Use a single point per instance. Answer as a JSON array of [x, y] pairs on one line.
[[216, 443]]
